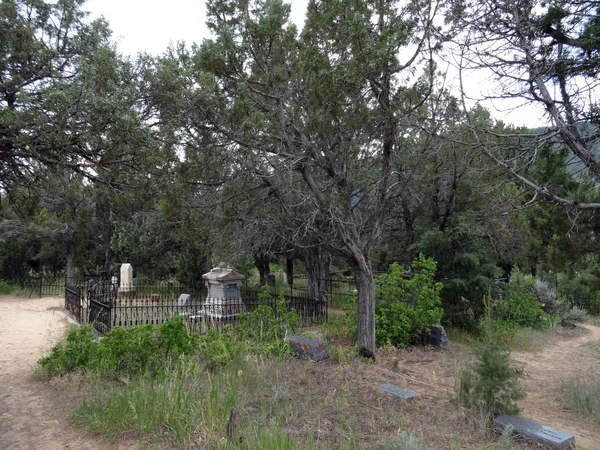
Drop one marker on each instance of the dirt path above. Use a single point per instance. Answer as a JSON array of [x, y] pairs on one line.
[[544, 372], [33, 414]]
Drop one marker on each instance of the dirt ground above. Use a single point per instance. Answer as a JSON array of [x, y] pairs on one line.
[[36, 414], [33, 414], [544, 372], [432, 374]]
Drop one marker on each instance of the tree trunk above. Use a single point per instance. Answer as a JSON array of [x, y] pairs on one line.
[[208, 265], [365, 285], [318, 264], [70, 264], [261, 261]]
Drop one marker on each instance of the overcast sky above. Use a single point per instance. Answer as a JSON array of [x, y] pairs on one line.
[[147, 26]]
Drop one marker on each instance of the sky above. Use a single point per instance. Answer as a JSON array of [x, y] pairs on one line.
[[147, 26]]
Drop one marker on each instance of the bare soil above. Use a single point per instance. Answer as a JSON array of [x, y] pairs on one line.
[[567, 358], [34, 414]]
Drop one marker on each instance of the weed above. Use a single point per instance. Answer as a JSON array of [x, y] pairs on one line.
[[584, 395]]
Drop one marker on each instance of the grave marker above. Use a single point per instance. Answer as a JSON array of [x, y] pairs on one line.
[[126, 278], [398, 391], [535, 433], [183, 299]]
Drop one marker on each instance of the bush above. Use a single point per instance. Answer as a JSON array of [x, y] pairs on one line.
[[122, 351], [546, 295], [78, 350], [520, 309], [220, 349], [6, 288], [404, 308], [490, 385]]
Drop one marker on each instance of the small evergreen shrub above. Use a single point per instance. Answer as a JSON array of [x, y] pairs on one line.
[[490, 385]]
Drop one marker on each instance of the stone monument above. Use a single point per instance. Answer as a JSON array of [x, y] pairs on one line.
[[224, 299], [126, 278]]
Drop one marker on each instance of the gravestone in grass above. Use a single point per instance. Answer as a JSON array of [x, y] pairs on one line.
[[535, 433], [307, 348], [398, 391]]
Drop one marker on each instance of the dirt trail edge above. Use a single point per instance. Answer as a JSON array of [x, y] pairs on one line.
[[33, 415], [544, 373]]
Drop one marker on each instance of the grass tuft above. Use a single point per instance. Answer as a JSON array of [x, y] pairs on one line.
[[584, 395]]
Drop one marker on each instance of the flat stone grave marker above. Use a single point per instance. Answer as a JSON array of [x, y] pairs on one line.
[[535, 433], [398, 391], [308, 348], [183, 299]]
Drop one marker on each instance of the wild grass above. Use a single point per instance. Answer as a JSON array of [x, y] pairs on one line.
[[7, 289], [584, 395]]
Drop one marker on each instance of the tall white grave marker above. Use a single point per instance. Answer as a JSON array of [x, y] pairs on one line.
[[126, 278]]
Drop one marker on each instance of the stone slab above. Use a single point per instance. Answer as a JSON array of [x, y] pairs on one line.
[[398, 391], [308, 348], [535, 433], [183, 299]]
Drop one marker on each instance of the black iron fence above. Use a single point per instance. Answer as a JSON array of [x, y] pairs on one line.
[[106, 304]]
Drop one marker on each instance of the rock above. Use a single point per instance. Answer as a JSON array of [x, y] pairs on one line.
[[154, 297], [398, 391], [535, 433], [308, 348], [438, 336]]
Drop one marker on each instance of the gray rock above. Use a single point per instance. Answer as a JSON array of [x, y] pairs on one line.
[[308, 348], [398, 391], [535, 433], [438, 336]]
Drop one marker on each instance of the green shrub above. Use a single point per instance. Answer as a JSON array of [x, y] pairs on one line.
[[490, 385], [129, 351], [521, 309], [122, 351], [404, 308], [76, 353], [220, 349], [6, 288]]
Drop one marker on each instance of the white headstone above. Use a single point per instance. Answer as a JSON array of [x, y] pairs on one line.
[[114, 281], [126, 277], [183, 299]]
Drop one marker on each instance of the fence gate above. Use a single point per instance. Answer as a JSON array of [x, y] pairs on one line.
[[74, 301], [102, 297]]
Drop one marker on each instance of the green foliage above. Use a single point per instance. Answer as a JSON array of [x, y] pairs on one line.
[[490, 385], [269, 323], [220, 349], [173, 405], [6, 288], [122, 351], [404, 308], [77, 353], [520, 309]]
